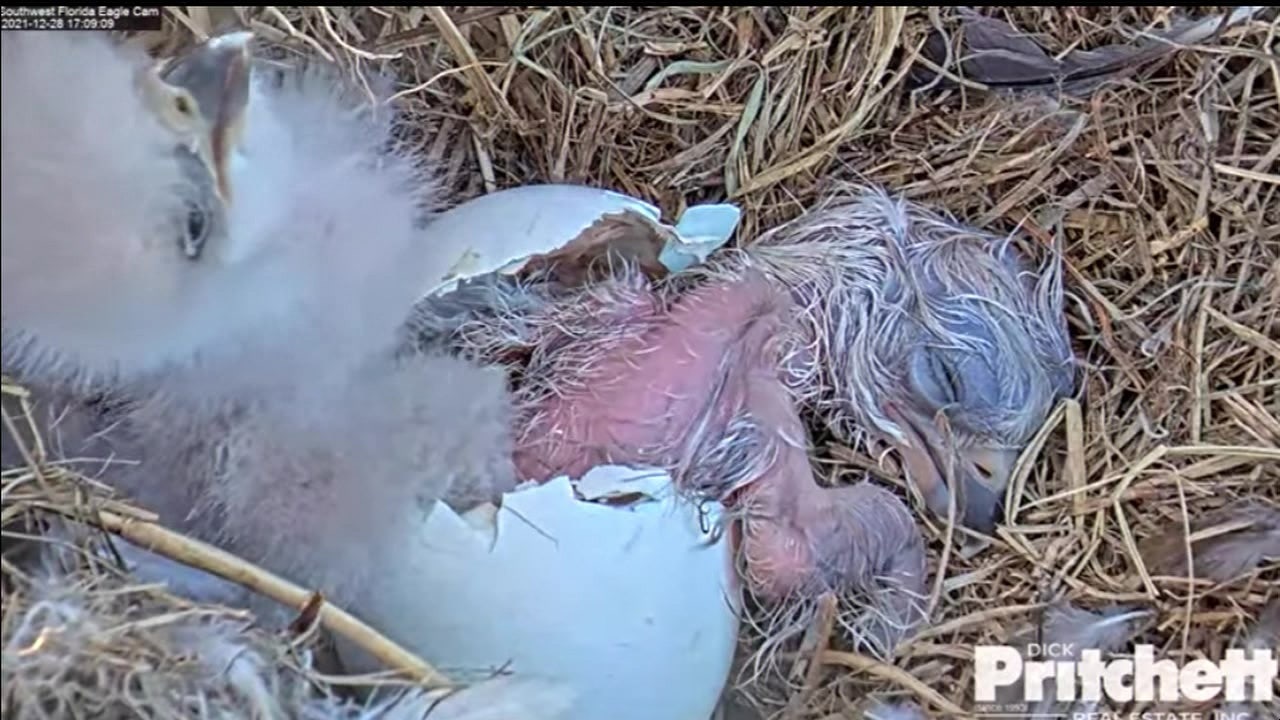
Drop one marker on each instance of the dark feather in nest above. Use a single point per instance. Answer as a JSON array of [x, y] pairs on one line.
[[995, 54], [1073, 630], [1226, 543], [1107, 630], [1069, 625]]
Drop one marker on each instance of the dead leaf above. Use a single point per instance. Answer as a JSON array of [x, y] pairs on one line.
[[1225, 544]]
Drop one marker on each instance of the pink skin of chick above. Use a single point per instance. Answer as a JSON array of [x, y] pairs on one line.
[[697, 389]]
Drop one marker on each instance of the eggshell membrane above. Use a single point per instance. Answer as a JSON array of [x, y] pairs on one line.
[[632, 606], [500, 230]]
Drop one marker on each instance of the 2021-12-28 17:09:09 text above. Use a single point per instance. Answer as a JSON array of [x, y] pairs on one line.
[[80, 17]]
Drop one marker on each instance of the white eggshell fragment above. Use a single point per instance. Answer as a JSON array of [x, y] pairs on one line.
[[632, 605], [501, 230]]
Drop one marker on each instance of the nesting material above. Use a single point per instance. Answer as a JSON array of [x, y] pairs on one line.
[[84, 641], [79, 643]]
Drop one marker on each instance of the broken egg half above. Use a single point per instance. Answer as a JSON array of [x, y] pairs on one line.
[[502, 232], [611, 586]]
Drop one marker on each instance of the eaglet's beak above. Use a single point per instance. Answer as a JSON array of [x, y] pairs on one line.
[[203, 96], [978, 474]]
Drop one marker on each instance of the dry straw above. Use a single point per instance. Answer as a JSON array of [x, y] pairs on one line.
[[1159, 183]]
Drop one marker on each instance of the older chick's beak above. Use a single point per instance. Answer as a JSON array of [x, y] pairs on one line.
[[207, 91]]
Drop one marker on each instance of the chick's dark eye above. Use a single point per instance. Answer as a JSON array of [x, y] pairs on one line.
[[197, 222], [184, 105], [196, 231]]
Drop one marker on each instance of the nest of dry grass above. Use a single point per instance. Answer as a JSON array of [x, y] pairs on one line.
[[1160, 185]]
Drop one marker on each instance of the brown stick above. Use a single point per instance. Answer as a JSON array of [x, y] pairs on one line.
[[196, 554], [854, 661], [817, 641]]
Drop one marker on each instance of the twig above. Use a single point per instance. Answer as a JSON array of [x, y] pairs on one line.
[[967, 621], [855, 661], [205, 557], [275, 14], [816, 642], [466, 57]]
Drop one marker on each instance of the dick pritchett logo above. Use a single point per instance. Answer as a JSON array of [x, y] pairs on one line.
[[1241, 677]]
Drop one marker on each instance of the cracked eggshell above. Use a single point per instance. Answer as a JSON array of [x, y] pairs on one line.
[[500, 231], [632, 605]]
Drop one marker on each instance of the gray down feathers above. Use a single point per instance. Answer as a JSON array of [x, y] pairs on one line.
[[256, 389]]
